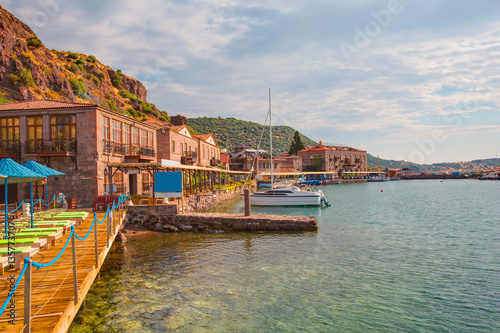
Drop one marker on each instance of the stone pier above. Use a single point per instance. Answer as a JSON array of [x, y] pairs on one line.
[[162, 219]]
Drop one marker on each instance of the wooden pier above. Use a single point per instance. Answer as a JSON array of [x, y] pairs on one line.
[[52, 298]]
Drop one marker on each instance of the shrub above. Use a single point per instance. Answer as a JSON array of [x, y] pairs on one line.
[[33, 41], [3, 101], [117, 78], [26, 79], [127, 94], [14, 79], [101, 76], [162, 118], [79, 62], [144, 118], [96, 81], [78, 87], [73, 68], [72, 55], [112, 105], [80, 66], [91, 59]]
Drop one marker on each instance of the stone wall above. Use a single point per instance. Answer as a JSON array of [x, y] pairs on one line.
[[218, 222], [200, 202]]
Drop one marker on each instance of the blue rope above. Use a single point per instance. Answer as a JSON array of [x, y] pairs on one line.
[[4, 306], [16, 208], [104, 219], [38, 266], [88, 233], [50, 203], [39, 198]]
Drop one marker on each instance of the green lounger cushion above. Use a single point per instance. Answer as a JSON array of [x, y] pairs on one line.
[[6, 250], [18, 241], [34, 234]]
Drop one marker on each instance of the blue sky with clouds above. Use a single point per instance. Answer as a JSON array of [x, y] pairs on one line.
[[403, 79]]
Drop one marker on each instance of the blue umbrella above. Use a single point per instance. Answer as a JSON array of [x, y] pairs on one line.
[[15, 173], [42, 170]]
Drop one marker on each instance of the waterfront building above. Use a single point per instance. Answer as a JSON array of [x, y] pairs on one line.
[[244, 159], [80, 139], [341, 159], [176, 143]]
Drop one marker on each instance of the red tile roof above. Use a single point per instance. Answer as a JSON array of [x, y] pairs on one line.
[[43, 104], [157, 122], [337, 148]]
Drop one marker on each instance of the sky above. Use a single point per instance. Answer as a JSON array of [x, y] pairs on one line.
[[403, 79]]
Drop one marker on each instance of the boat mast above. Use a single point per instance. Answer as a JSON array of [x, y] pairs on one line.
[[271, 139]]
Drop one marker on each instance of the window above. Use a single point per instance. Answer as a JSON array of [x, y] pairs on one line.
[[117, 131], [144, 138], [63, 127], [150, 139], [173, 146], [9, 129], [135, 136], [34, 127], [146, 183], [126, 134], [105, 128]]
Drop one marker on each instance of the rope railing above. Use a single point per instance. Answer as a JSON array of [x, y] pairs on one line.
[[50, 203], [121, 199], [16, 208]]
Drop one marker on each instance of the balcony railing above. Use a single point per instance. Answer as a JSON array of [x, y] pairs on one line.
[[51, 146], [127, 149], [10, 147], [189, 157]]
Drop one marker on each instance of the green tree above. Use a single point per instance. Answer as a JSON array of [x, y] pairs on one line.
[[297, 144]]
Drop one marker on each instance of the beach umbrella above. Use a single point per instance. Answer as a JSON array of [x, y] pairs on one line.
[[44, 171], [15, 173]]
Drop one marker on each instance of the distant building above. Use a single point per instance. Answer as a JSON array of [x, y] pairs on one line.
[[244, 159], [333, 158]]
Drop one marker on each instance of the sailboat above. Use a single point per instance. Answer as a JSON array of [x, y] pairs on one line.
[[287, 195]]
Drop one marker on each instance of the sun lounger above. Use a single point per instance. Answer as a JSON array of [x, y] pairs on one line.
[[4, 262], [33, 242], [50, 236], [19, 254]]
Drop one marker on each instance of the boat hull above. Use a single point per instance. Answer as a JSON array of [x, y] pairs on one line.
[[277, 200]]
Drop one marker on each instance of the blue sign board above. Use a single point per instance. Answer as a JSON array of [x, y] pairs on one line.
[[168, 184]]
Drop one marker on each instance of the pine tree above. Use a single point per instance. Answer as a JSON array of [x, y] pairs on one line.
[[297, 144]]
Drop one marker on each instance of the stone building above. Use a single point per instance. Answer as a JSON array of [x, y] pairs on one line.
[[176, 143], [79, 139], [333, 158]]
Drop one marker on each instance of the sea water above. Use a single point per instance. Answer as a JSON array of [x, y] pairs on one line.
[[400, 256]]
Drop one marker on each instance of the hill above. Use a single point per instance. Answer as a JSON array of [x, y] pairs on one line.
[[29, 71], [231, 132]]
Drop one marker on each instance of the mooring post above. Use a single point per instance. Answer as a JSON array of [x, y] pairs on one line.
[[95, 238], [248, 210], [113, 217], [27, 298], [75, 270]]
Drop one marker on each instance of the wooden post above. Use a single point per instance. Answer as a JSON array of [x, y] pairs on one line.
[[27, 298], [154, 195], [248, 211], [110, 180], [75, 270], [95, 238], [113, 218], [107, 230]]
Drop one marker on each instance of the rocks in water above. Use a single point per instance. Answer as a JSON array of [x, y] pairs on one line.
[[170, 228], [120, 237]]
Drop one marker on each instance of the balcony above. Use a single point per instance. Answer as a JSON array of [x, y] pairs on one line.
[[189, 157], [114, 147], [139, 152], [214, 162], [48, 148], [10, 149]]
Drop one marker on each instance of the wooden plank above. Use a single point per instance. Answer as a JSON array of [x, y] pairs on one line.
[[53, 307]]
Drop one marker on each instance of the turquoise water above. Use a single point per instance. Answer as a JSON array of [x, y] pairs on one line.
[[407, 256]]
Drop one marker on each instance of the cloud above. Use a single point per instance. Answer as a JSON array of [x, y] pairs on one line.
[[433, 61]]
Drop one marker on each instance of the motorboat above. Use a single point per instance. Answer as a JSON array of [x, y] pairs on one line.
[[288, 196]]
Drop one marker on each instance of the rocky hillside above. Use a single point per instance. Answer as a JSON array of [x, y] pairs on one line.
[[231, 132], [28, 70]]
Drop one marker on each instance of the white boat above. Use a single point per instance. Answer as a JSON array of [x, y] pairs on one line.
[[288, 195]]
